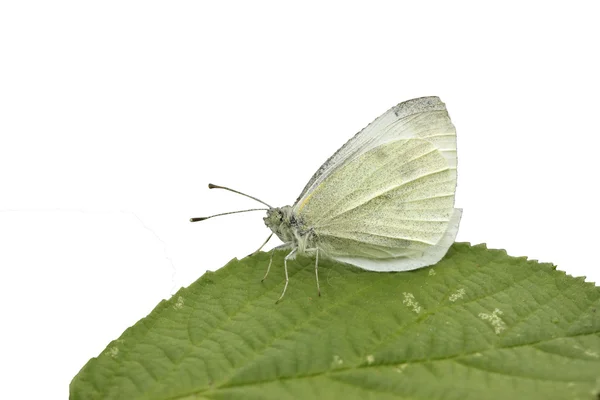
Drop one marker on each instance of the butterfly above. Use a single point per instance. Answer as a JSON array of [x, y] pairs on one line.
[[383, 202]]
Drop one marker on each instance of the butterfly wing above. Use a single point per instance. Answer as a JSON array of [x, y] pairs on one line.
[[385, 200], [387, 127]]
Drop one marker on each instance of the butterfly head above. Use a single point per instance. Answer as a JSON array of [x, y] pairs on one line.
[[280, 221]]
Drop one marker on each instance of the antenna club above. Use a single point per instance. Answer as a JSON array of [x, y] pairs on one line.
[[198, 219], [211, 186]]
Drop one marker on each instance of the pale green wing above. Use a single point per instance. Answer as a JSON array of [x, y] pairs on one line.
[[389, 206], [424, 117], [411, 257]]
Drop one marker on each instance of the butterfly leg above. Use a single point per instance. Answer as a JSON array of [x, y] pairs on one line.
[[269, 267], [260, 248], [283, 246], [316, 251], [287, 279]]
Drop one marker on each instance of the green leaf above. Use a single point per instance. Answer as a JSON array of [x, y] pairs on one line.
[[478, 325]]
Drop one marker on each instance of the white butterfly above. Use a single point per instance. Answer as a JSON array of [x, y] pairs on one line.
[[384, 201]]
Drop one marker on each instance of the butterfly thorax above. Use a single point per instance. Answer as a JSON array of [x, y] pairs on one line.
[[289, 228]]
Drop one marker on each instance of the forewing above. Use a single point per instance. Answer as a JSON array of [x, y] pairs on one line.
[[425, 117]]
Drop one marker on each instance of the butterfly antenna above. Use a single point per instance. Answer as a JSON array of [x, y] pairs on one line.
[[227, 213], [211, 186]]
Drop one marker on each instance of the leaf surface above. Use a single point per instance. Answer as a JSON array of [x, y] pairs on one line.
[[477, 325]]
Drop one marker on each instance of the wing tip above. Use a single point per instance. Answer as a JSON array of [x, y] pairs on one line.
[[419, 105]]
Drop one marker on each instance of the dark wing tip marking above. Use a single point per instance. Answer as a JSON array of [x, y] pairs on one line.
[[419, 105]]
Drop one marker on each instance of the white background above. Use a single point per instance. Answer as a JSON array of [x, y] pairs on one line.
[[115, 115]]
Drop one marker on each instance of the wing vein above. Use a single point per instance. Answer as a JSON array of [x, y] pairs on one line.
[[341, 236], [394, 187]]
